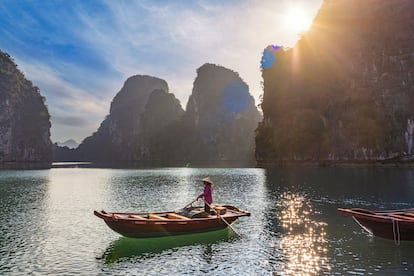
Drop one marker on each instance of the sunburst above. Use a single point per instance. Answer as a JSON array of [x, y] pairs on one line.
[[297, 19]]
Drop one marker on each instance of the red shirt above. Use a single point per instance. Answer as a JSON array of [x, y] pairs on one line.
[[207, 194]]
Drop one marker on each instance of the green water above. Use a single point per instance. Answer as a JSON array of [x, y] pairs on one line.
[[48, 227]]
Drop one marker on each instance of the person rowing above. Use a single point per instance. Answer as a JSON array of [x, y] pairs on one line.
[[207, 194]]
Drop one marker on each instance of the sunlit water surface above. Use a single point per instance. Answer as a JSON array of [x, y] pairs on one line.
[[48, 227]]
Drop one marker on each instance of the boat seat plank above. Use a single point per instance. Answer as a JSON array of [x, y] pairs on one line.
[[177, 216], [152, 216], [402, 217], [410, 214], [119, 216], [137, 217]]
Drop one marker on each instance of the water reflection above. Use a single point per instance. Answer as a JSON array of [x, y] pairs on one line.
[[22, 204], [304, 243], [48, 227], [126, 248]]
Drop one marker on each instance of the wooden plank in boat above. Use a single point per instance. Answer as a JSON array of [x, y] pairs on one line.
[[410, 214], [152, 216], [176, 216], [137, 217]]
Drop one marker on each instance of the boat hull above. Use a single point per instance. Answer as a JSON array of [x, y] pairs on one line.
[[388, 229], [389, 224], [128, 225], [162, 229]]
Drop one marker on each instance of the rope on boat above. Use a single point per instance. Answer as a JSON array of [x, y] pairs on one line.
[[396, 231], [362, 226]]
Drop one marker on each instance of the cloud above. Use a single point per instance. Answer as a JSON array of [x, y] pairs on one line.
[[61, 93], [65, 99], [71, 121], [172, 40]]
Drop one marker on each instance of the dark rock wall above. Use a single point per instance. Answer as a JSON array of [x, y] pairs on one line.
[[346, 90], [24, 118]]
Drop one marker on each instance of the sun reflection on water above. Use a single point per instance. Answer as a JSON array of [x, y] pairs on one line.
[[304, 243]]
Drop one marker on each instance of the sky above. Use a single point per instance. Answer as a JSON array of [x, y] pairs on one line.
[[79, 53]]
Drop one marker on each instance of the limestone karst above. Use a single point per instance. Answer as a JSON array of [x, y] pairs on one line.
[[346, 90], [24, 117]]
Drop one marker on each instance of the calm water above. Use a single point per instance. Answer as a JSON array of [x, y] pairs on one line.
[[48, 227]]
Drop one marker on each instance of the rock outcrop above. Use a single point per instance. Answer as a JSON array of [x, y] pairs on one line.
[[346, 90], [148, 126], [220, 118], [24, 118], [126, 132]]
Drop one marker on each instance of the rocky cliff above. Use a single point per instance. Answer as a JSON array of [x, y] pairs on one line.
[[346, 90], [24, 118], [126, 132], [220, 117], [147, 125]]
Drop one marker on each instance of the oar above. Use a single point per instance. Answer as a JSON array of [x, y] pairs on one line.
[[228, 224], [190, 203]]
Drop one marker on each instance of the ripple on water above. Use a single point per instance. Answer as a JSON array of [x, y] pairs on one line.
[[48, 227]]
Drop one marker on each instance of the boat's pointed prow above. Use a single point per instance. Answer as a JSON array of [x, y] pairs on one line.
[[101, 214]]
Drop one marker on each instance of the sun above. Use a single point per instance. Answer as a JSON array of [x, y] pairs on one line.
[[297, 19]]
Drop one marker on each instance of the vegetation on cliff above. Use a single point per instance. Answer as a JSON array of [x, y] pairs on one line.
[[346, 90], [24, 117]]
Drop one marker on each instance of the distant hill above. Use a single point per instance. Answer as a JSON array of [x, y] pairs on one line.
[[24, 117], [72, 144], [345, 92]]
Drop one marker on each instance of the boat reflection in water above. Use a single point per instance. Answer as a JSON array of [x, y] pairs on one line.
[[124, 248], [303, 244]]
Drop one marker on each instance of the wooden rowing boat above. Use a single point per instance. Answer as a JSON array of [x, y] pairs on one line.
[[389, 224], [158, 224]]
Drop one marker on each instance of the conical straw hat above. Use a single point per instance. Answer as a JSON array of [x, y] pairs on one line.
[[208, 180]]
